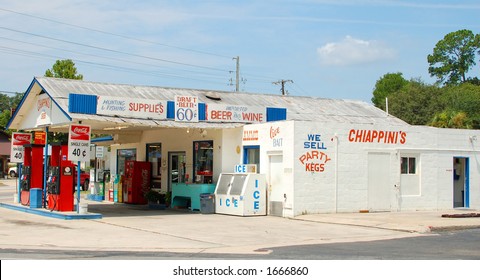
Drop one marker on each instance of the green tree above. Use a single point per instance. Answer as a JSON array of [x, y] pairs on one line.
[[451, 119], [463, 98], [453, 56], [6, 105], [64, 69], [416, 103], [4, 118], [389, 84], [4, 102]]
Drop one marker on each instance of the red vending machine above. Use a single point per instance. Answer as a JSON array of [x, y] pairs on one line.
[[60, 181], [137, 181]]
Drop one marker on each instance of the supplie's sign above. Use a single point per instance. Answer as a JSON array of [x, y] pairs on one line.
[[132, 107], [79, 143], [17, 150]]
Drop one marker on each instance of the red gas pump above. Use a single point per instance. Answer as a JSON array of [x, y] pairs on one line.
[[32, 172], [60, 179], [137, 181]]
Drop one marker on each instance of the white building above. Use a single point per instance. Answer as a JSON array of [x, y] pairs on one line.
[[325, 167], [319, 155]]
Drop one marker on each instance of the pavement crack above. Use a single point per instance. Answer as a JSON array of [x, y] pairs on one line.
[[158, 233]]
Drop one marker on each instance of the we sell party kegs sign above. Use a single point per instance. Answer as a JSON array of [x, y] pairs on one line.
[[79, 143]]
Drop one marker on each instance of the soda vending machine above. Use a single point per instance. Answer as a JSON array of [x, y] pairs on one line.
[[137, 181], [60, 181], [32, 174]]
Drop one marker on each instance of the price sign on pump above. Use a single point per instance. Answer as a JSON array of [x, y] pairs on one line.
[[79, 143]]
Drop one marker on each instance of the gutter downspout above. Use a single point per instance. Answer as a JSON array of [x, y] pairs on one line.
[[336, 171]]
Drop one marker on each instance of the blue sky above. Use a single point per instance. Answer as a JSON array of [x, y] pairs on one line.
[[330, 49]]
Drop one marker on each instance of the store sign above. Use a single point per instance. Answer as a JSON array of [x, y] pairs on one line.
[[235, 113], [132, 107], [277, 140], [377, 136], [186, 109], [44, 110], [40, 138], [17, 150], [250, 135], [99, 151], [245, 168], [79, 143], [315, 156]]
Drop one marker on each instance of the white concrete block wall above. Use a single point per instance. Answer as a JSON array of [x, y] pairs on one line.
[[433, 179]]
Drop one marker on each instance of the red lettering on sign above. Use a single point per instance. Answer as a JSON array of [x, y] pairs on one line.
[[377, 136], [252, 117], [221, 115]]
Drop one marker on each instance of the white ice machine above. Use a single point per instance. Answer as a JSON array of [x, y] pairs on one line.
[[241, 194]]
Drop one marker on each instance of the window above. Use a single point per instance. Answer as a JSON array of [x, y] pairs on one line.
[[122, 156], [203, 161], [154, 155], [408, 165], [251, 155]]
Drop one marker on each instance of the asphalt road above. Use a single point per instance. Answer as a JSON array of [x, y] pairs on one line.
[[452, 245]]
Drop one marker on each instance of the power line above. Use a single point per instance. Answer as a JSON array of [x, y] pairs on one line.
[[101, 65], [259, 79], [98, 56], [110, 50], [114, 34]]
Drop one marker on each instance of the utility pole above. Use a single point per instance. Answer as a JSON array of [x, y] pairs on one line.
[[282, 82], [237, 78]]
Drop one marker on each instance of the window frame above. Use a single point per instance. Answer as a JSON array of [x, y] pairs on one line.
[[408, 169]]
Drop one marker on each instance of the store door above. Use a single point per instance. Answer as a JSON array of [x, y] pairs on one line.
[[461, 182], [379, 187], [275, 191], [176, 168]]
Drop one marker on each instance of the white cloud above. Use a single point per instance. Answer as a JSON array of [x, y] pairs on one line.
[[351, 51]]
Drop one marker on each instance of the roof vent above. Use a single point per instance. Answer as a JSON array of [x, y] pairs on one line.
[[213, 96]]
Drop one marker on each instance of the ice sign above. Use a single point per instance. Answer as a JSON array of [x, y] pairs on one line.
[[245, 168]]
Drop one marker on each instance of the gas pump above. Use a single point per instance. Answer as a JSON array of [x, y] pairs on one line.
[[25, 185], [60, 179], [26, 174], [32, 173]]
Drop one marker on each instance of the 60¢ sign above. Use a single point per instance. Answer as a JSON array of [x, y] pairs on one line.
[[79, 143]]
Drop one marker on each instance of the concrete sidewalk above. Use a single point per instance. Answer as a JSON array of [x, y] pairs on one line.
[[409, 221], [136, 228]]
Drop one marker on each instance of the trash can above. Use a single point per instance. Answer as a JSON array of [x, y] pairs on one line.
[[207, 203]]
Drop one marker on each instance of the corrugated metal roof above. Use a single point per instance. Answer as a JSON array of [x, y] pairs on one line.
[[298, 107]]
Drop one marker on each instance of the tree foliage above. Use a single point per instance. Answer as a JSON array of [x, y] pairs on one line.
[[7, 103], [454, 56], [453, 102], [416, 103], [64, 69], [451, 119], [389, 84]]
